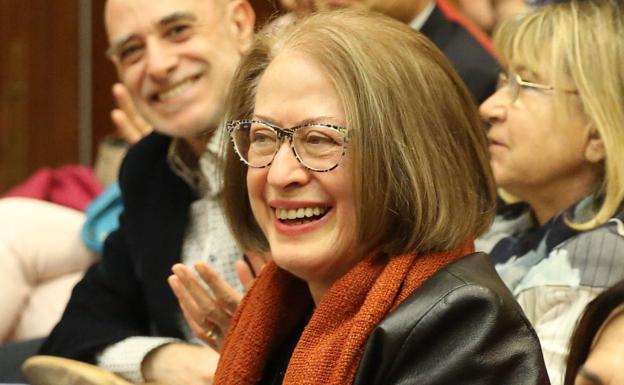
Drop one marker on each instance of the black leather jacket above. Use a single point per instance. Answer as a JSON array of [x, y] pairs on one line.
[[463, 326]]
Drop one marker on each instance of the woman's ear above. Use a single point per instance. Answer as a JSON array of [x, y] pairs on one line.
[[594, 149], [242, 20]]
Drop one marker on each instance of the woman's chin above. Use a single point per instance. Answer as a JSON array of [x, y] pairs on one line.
[[302, 265]]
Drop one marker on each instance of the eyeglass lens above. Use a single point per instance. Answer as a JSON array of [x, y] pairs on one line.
[[513, 88], [317, 147]]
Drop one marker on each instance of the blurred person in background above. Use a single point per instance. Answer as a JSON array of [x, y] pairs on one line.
[[556, 132], [470, 58], [175, 59], [597, 345], [488, 13]]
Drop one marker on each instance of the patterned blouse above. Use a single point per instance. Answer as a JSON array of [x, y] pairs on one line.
[[555, 270]]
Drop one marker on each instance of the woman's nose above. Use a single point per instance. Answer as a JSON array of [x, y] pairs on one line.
[[285, 170], [493, 109]]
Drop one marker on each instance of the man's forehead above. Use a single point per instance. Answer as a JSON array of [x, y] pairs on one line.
[[128, 17]]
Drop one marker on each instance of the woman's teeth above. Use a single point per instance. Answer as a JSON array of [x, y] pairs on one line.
[[299, 213]]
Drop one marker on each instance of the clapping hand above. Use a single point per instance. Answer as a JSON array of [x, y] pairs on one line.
[[209, 312]]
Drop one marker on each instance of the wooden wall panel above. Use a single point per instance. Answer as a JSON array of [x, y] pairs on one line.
[[38, 86], [104, 76], [13, 94]]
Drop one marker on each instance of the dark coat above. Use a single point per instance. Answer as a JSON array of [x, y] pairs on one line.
[[461, 327], [126, 293], [475, 65]]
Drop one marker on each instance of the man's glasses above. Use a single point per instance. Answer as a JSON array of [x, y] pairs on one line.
[[318, 147], [515, 83]]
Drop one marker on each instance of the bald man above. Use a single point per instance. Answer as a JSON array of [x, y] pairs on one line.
[[175, 58]]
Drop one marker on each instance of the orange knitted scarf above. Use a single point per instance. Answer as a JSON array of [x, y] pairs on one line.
[[332, 343]]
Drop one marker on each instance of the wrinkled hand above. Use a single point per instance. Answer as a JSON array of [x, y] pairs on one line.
[[209, 312], [130, 124], [180, 364]]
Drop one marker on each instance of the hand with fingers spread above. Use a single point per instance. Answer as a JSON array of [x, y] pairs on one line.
[[208, 312], [130, 124]]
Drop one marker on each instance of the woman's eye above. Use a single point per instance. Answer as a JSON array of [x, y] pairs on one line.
[[319, 140], [260, 137], [503, 80], [322, 137]]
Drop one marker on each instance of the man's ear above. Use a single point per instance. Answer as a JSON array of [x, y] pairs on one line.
[[242, 20], [594, 149]]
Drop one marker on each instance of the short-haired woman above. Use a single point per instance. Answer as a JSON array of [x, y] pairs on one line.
[[360, 163], [556, 135]]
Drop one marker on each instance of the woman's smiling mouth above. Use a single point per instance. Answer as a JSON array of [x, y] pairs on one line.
[[298, 216]]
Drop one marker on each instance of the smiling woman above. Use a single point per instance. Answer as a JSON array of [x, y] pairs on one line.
[[355, 146]]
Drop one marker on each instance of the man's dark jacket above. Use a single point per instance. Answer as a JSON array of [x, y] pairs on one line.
[[471, 60], [126, 293]]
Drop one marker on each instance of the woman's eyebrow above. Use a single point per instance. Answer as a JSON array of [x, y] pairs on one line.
[[316, 120], [590, 376], [525, 71], [264, 119]]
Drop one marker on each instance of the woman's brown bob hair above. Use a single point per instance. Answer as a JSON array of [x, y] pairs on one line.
[[422, 179]]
